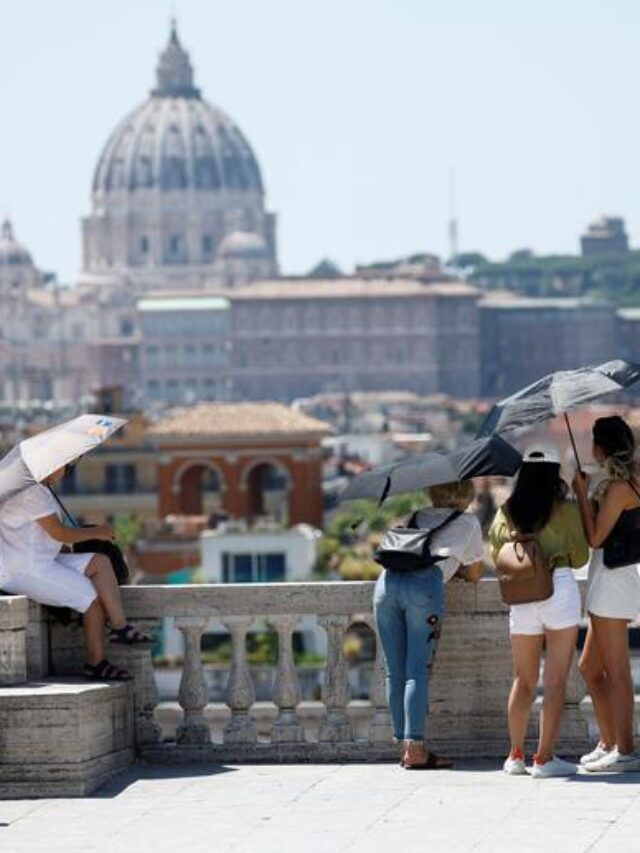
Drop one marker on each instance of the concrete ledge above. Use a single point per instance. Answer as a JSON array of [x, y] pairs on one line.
[[63, 738]]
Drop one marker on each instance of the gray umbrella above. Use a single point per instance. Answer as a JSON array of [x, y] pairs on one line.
[[482, 458], [557, 393]]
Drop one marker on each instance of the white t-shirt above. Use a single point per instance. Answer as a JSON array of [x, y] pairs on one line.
[[460, 541], [24, 543]]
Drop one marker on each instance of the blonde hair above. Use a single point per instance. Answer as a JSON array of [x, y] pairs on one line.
[[452, 495]]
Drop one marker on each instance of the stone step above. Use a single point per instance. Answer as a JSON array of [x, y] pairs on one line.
[[63, 737]]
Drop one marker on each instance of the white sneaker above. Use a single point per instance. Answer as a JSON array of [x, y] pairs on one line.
[[598, 753], [515, 766], [554, 767], [615, 762]]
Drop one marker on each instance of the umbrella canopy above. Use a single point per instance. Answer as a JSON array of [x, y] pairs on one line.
[[556, 394], [36, 458], [482, 458]]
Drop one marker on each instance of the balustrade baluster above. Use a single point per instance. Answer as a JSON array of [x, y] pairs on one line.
[[193, 694], [240, 694], [336, 727], [286, 690], [380, 723]]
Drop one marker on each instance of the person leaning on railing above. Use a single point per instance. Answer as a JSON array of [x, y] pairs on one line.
[[408, 607], [32, 564]]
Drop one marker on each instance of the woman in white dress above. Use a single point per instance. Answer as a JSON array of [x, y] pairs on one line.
[[613, 598], [32, 564]]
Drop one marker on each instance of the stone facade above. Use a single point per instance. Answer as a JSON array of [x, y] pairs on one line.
[[292, 338], [524, 339]]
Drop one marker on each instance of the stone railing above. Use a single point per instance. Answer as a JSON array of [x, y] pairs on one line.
[[469, 687]]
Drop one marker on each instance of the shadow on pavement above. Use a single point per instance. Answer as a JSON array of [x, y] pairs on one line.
[[608, 778], [140, 772]]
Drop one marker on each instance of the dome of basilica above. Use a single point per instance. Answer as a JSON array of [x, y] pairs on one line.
[[12, 253], [175, 180], [176, 140]]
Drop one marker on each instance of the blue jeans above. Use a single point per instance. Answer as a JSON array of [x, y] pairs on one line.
[[408, 609]]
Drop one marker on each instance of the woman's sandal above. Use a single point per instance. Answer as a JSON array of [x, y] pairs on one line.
[[433, 762], [129, 636], [105, 671]]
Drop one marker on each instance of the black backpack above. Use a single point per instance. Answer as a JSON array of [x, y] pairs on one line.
[[406, 549]]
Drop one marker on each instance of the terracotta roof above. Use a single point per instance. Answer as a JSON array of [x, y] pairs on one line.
[[237, 420]]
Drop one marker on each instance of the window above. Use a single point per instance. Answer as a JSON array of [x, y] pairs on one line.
[[253, 568], [126, 327], [207, 246], [120, 479], [144, 245]]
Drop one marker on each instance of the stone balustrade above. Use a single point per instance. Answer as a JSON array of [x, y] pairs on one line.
[[469, 687]]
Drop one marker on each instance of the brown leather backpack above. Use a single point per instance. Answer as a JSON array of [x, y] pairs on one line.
[[522, 567]]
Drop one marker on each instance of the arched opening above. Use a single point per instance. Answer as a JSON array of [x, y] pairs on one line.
[[268, 492], [199, 490]]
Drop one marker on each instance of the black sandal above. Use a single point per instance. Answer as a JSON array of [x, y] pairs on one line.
[[105, 671], [129, 636]]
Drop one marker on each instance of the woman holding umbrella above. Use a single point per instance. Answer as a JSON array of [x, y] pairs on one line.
[[613, 599], [32, 536]]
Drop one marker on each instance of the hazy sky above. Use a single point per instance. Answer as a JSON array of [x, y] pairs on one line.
[[356, 109]]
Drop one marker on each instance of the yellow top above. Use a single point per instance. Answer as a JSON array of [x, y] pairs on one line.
[[562, 538]]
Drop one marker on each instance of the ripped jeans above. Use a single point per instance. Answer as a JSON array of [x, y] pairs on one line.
[[408, 610]]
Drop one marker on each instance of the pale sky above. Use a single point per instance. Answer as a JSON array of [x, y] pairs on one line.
[[356, 109]]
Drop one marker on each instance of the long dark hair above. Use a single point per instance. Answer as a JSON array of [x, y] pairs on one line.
[[614, 437], [538, 489]]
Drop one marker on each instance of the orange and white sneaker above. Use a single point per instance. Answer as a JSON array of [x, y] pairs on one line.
[[552, 767], [514, 764]]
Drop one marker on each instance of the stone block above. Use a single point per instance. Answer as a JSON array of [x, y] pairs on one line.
[[14, 610], [37, 642], [63, 738]]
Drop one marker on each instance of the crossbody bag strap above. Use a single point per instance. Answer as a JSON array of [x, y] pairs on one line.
[[66, 512], [444, 523]]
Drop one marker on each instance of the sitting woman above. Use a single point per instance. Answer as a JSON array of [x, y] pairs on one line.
[[408, 607], [31, 540]]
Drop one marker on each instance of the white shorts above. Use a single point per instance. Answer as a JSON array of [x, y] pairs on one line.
[[60, 583], [562, 610]]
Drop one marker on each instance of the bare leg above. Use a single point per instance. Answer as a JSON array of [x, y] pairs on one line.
[[526, 651], [101, 575], [560, 649], [93, 623], [612, 639], [598, 684]]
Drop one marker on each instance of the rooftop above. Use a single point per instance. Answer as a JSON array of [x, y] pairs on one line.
[[320, 808], [305, 288], [236, 420]]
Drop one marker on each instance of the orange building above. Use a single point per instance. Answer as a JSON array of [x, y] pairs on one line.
[[197, 465], [243, 460]]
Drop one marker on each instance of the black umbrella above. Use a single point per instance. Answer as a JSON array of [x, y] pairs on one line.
[[483, 457], [556, 394]]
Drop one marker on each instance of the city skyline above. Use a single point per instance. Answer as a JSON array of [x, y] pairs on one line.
[[349, 181]]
